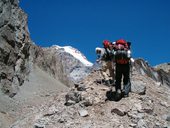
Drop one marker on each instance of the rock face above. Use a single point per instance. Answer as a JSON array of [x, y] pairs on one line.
[[14, 47], [19, 55], [158, 73], [164, 72], [165, 67]]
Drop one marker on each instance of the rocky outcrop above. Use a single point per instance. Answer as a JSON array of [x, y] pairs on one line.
[[158, 73], [164, 73], [164, 66], [14, 47]]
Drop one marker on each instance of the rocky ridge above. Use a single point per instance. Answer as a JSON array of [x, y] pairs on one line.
[[91, 104], [158, 73], [164, 66]]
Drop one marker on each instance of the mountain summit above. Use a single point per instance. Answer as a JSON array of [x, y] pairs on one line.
[[66, 63], [75, 53]]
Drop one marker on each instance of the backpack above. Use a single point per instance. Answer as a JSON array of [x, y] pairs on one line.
[[122, 52], [107, 55]]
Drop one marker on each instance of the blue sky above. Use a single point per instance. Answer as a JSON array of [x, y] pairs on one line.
[[84, 24]]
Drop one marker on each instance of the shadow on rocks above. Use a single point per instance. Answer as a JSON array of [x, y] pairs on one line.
[[111, 96]]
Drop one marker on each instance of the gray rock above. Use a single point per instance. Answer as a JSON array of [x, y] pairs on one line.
[[83, 112], [148, 110], [133, 125], [157, 126], [80, 87], [39, 126], [135, 115], [72, 98], [138, 87], [168, 118], [141, 124], [87, 125], [0, 124], [52, 110], [168, 125], [61, 120], [118, 111], [86, 102], [165, 104], [70, 102]]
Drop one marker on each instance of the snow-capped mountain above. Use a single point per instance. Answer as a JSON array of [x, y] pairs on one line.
[[65, 63], [75, 53], [76, 64]]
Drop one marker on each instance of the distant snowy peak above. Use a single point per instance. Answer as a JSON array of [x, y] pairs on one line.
[[76, 53]]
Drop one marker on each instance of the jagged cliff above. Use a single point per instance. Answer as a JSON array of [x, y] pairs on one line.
[[14, 46]]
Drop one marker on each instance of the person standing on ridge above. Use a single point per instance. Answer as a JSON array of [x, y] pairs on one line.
[[105, 56], [122, 59]]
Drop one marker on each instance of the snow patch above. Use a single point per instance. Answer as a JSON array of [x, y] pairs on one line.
[[76, 53]]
